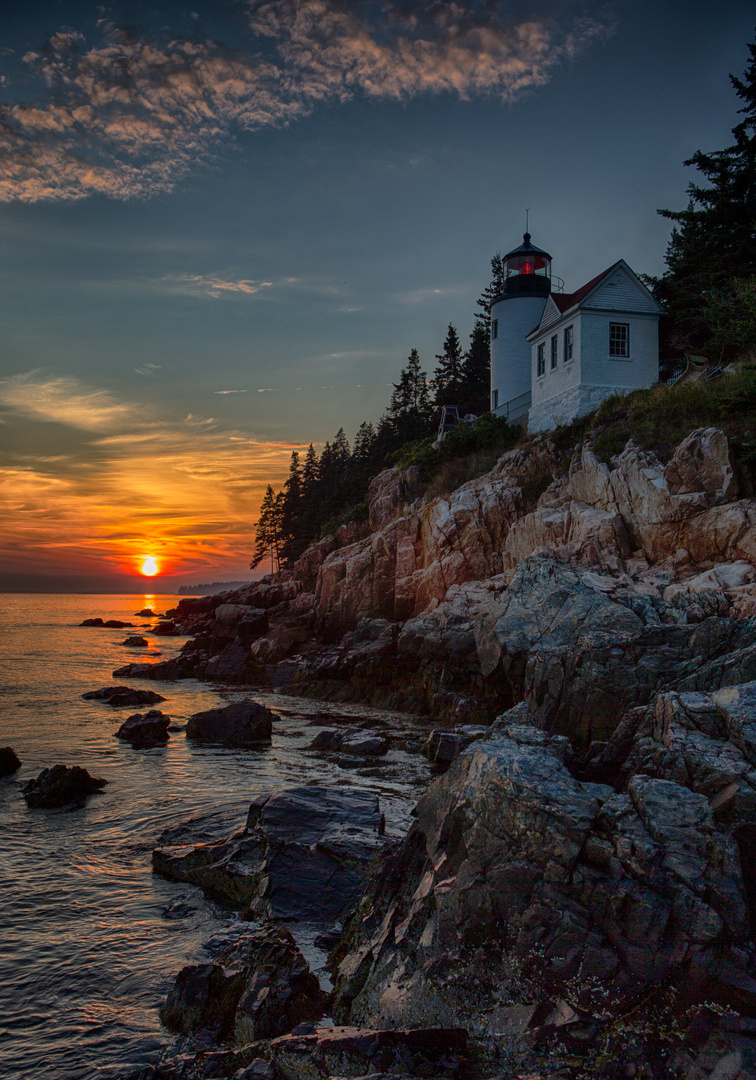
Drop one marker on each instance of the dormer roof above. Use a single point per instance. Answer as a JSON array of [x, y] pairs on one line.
[[618, 288]]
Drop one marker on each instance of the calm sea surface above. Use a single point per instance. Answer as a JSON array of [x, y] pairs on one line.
[[90, 940]]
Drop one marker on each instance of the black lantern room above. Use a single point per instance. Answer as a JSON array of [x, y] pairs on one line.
[[527, 270]]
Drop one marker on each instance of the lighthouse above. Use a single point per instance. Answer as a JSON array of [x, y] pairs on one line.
[[514, 313]]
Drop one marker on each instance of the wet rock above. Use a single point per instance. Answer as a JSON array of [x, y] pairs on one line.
[[258, 989], [145, 613], [244, 723], [351, 741], [62, 786], [179, 667], [123, 695], [9, 761], [136, 642], [92, 622], [116, 624], [166, 629], [349, 1051], [303, 854], [143, 730]]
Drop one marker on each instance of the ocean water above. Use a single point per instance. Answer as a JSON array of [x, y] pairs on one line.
[[90, 939]]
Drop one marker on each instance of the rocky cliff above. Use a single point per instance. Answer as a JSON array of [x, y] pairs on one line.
[[578, 891]]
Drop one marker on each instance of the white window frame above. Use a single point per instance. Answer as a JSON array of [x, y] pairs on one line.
[[569, 343], [541, 359], [494, 328], [619, 345], [554, 351]]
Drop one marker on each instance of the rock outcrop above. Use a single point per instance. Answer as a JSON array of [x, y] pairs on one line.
[[302, 854], [244, 723], [144, 730], [62, 786], [123, 695], [258, 989], [9, 761], [568, 880]]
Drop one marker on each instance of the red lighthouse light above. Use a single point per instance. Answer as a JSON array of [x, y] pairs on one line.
[[527, 268]]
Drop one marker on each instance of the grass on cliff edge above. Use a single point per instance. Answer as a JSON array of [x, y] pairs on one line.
[[658, 419]]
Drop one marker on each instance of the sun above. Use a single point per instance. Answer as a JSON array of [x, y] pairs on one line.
[[149, 567]]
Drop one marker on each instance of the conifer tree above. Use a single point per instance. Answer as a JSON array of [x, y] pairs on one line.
[[410, 406], [292, 525], [448, 376], [476, 369], [492, 290], [268, 534], [712, 251]]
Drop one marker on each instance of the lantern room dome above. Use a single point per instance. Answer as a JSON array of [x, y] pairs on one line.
[[527, 270]]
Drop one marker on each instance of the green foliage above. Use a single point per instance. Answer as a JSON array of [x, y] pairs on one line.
[[358, 512], [711, 255], [448, 378]]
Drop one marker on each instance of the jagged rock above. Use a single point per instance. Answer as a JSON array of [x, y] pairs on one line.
[[279, 643], [143, 730], [234, 664], [512, 853], [351, 741], [9, 761], [302, 855], [349, 1051], [388, 494], [258, 989], [703, 462], [443, 746], [253, 624], [244, 723], [166, 629], [61, 786], [134, 641], [123, 695]]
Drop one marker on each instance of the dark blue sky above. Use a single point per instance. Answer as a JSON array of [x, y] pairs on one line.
[[281, 199]]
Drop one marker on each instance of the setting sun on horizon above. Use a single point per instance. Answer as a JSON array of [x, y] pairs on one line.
[[149, 567]]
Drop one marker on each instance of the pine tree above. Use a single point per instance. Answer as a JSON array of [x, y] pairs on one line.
[[268, 533], [491, 291], [712, 251], [448, 380], [293, 542], [476, 369], [410, 407]]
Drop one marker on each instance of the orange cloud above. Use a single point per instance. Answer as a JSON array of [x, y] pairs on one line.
[[125, 484], [131, 117]]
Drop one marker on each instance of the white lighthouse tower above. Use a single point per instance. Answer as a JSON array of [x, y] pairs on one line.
[[514, 313]]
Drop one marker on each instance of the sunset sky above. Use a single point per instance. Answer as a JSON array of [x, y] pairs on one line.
[[224, 226]]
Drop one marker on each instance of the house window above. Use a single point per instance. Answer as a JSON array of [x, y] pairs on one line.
[[495, 328], [542, 358], [619, 339], [568, 344], [494, 399], [554, 350]]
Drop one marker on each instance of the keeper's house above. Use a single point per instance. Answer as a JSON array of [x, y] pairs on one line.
[[580, 347]]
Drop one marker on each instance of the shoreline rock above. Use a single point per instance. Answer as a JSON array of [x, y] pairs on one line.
[[62, 786]]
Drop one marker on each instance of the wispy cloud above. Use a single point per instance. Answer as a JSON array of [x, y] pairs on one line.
[[129, 117], [199, 284]]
